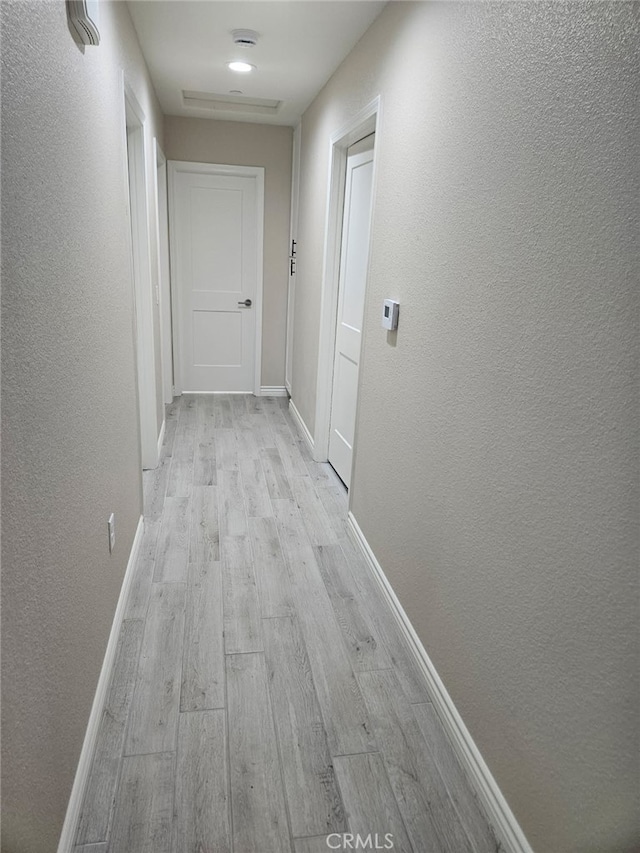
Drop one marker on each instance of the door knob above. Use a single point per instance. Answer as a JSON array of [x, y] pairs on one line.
[[247, 303]]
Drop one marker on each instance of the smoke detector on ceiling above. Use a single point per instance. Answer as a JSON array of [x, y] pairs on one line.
[[245, 38]]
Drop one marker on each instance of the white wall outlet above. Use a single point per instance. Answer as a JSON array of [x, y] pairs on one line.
[[111, 526]]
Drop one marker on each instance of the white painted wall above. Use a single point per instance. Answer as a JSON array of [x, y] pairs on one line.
[[505, 409], [293, 241], [69, 409]]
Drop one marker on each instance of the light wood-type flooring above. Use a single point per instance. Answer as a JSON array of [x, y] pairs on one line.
[[263, 699]]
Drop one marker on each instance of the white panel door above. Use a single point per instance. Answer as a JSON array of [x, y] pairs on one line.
[[354, 258], [215, 241]]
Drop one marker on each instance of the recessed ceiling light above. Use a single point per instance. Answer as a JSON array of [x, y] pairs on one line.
[[242, 67]]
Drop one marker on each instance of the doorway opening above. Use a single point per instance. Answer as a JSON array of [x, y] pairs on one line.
[[142, 281], [354, 258], [351, 179]]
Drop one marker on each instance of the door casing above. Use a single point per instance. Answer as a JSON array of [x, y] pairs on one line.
[[164, 305], [137, 183], [256, 172]]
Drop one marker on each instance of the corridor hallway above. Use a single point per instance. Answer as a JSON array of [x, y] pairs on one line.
[[263, 697]]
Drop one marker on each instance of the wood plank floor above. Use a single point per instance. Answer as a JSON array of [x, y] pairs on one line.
[[263, 699]]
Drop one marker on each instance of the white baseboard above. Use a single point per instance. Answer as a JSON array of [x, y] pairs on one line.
[[504, 822], [161, 438], [301, 424], [72, 817], [273, 391]]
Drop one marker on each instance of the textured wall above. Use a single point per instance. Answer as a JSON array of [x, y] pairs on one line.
[[70, 452], [506, 223], [237, 144]]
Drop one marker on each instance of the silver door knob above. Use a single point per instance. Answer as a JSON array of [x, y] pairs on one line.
[[247, 303]]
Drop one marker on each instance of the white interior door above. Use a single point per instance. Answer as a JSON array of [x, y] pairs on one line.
[[216, 244], [354, 258]]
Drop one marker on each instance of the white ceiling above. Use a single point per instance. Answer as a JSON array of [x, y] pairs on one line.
[[187, 45]]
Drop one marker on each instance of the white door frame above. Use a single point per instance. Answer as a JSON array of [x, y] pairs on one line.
[[137, 206], [164, 291], [256, 172], [365, 122], [293, 239]]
